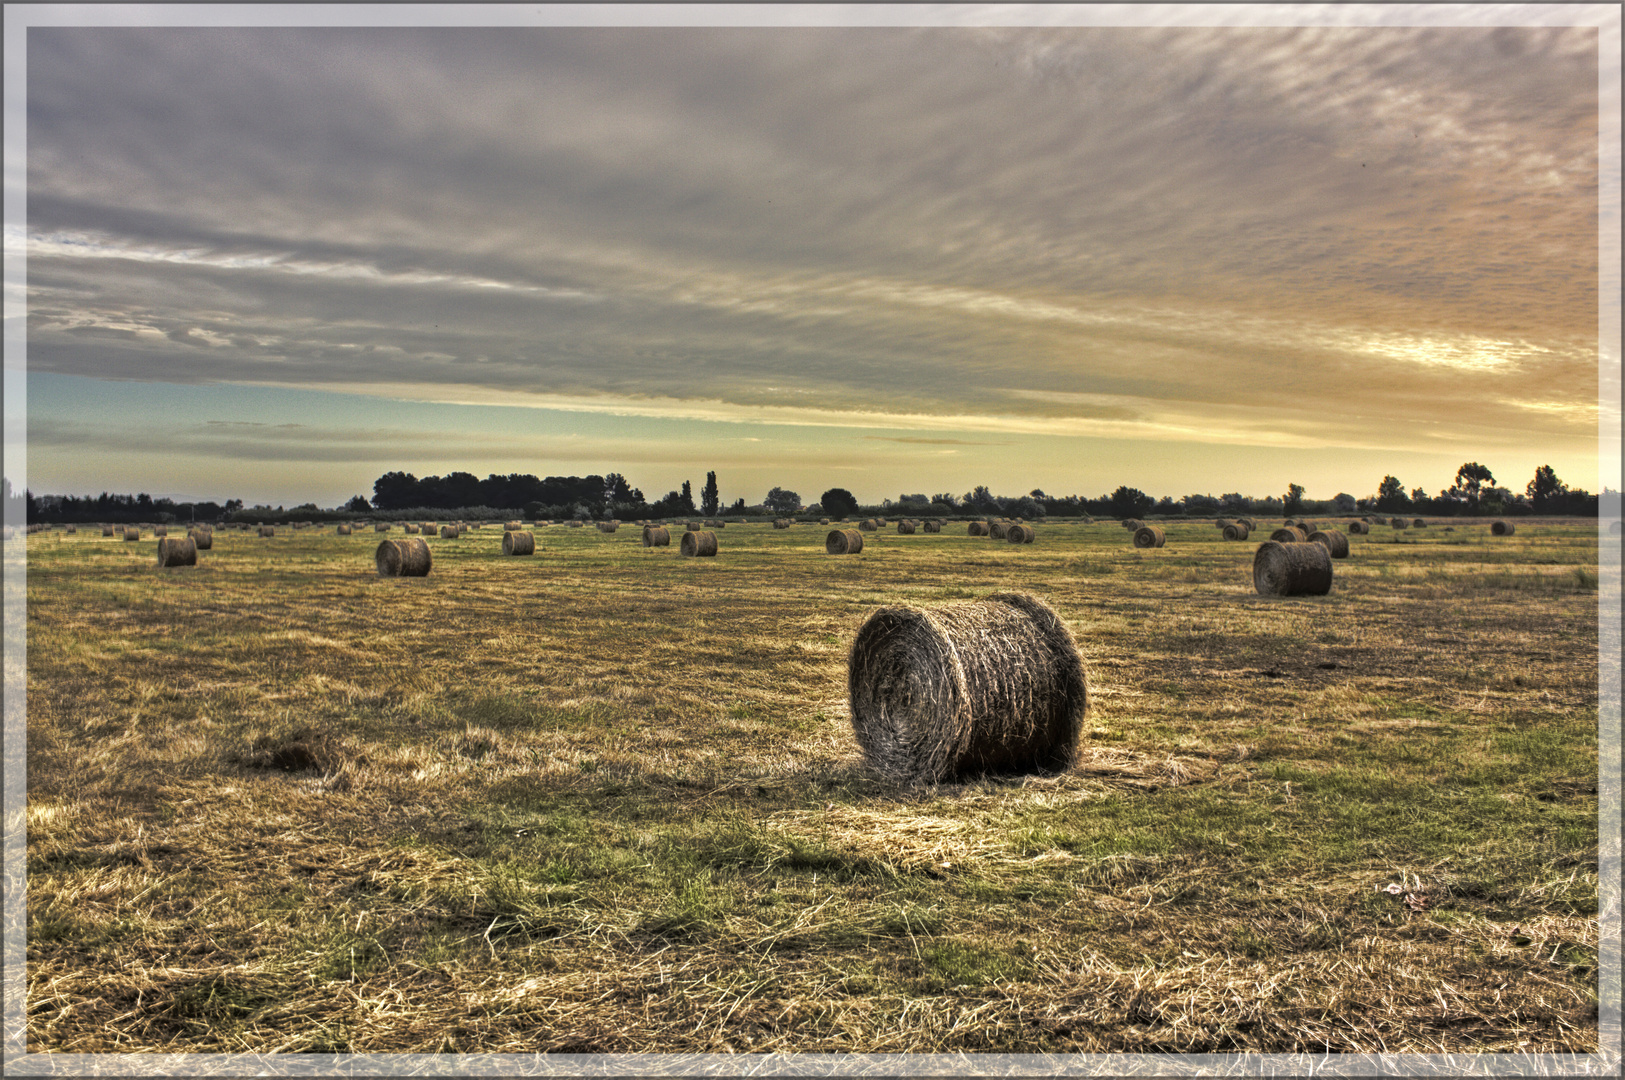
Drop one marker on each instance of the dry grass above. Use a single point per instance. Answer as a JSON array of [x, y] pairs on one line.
[[608, 799]]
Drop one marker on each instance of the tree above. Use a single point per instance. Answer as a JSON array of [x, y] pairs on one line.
[[358, 504], [838, 502], [945, 499], [1545, 486], [1293, 499], [1470, 481], [1127, 502], [687, 498], [781, 501], [395, 491], [1391, 495], [710, 497], [983, 501], [1344, 502]]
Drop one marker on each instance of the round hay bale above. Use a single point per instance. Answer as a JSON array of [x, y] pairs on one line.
[[781, 523], [718, 524], [978, 528], [702, 543], [1397, 523], [933, 526], [1132, 524], [71, 529], [1252, 526], [694, 526], [450, 532], [518, 543], [574, 524], [823, 521], [107, 530], [608, 526], [203, 539], [381, 527], [843, 542], [868, 525], [1288, 535], [1021, 534], [1292, 569], [159, 530], [177, 551], [1149, 536], [343, 530], [1418, 523], [656, 536], [1358, 528], [1235, 531], [411, 529], [906, 528], [990, 686], [1305, 527], [1335, 542], [403, 558], [1222, 522], [999, 530], [131, 533], [1502, 528]]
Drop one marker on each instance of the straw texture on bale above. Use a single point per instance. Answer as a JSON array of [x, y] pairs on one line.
[[1502, 528], [907, 528], [1252, 526], [933, 526], [1359, 528], [1305, 527], [177, 551], [410, 529], [1335, 542], [781, 523], [1149, 536], [160, 530], [132, 534], [843, 542], [512, 526], [107, 530], [1418, 523], [403, 558], [999, 530], [1288, 535], [1131, 524], [1021, 534], [1235, 531], [656, 536], [1222, 522], [694, 526], [700, 543], [1292, 569], [868, 525], [1397, 523], [608, 526], [991, 686], [450, 532], [518, 543], [343, 530], [202, 538], [977, 528], [380, 527]]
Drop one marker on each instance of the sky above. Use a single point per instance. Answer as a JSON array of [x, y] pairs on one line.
[[273, 263]]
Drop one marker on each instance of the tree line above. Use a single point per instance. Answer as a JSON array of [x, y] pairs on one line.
[[594, 497]]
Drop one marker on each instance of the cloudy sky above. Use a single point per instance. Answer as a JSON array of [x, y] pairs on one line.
[[273, 263]]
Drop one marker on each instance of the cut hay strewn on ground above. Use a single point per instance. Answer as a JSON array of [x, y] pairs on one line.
[[609, 800]]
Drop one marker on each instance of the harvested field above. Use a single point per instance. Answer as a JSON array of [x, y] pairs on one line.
[[277, 802]]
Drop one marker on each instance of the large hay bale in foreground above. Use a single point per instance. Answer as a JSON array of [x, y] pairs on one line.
[[977, 528], [518, 543], [1334, 541], [843, 542], [700, 543], [403, 558], [991, 686], [1288, 535], [1292, 569], [177, 551], [1235, 531], [656, 536], [1502, 528], [1021, 533], [202, 539], [1149, 536]]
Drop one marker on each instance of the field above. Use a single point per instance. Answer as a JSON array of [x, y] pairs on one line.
[[606, 799]]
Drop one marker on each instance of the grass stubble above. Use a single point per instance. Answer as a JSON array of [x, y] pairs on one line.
[[608, 800]]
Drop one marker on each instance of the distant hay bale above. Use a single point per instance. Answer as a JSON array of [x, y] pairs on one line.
[[702, 543], [1305, 527], [868, 525], [906, 528], [159, 530], [518, 543], [1418, 523], [978, 528], [411, 529], [990, 686], [131, 533], [1021, 534], [1252, 526], [718, 524], [1149, 536], [843, 542], [823, 521], [403, 558], [608, 526], [574, 524], [381, 526], [1222, 522], [450, 532], [694, 526], [1398, 523], [512, 526], [999, 530], [1289, 535], [107, 530], [1334, 542], [1502, 528], [1359, 528], [656, 536], [1235, 531], [203, 539], [933, 526], [781, 523], [267, 530], [1292, 569], [1131, 524], [343, 530], [71, 530], [177, 551]]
